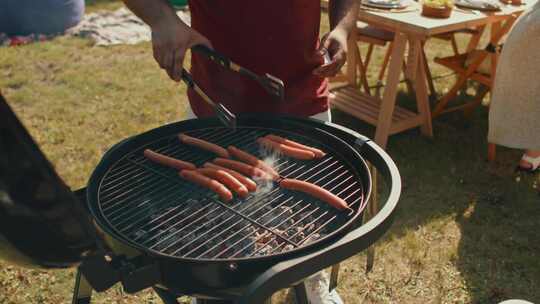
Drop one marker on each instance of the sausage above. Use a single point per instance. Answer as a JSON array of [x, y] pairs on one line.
[[203, 144], [252, 160], [246, 181], [286, 150], [167, 160], [245, 169], [212, 184], [316, 191], [318, 153], [226, 179]]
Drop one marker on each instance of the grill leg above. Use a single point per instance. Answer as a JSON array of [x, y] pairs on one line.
[[301, 293], [371, 210], [334, 277], [166, 296], [82, 292]]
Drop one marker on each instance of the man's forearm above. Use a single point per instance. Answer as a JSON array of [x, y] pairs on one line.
[[343, 14], [152, 12]]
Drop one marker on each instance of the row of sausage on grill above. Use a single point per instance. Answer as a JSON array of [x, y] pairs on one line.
[[235, 171]]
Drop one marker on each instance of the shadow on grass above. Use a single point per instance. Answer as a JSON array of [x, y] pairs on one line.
[[448, 175]]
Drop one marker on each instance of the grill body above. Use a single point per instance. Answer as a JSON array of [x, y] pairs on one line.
[[193, 271]]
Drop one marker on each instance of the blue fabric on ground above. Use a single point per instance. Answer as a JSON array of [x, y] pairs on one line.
[[24, 17]]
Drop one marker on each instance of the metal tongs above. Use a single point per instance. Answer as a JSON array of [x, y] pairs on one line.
[[222, 113], [273, 85]]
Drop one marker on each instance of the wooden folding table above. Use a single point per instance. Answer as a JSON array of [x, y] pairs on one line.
[[411, 30]]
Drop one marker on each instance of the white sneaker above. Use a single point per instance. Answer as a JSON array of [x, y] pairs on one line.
[[317, 290]]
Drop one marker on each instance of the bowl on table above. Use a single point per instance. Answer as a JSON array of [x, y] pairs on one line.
[[437, 8]]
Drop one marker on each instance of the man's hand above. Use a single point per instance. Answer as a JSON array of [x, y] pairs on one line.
[[171, 37], [335, 44], [170, 41], [342, 15]]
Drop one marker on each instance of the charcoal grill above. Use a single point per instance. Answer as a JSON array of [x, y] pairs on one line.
[[160, 231]]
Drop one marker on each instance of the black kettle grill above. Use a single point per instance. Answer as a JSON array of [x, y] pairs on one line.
[[142, 225]]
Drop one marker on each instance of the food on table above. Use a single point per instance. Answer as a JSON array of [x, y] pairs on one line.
[[316, 191], [252, 160], [212, 184], [285, 149], [246, 181], [318, 153], [439, 3], [167, 160], [205, 145], [226, 179]]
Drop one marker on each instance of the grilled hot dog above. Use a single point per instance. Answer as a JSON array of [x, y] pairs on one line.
[[316, 191], [318, 153], [285, 149], [167, 160], [227, 179], [203, 144], [252, 160], [245, 169], [246, 181], [212, 184]]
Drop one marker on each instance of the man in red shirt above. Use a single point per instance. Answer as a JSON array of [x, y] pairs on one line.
[[278, 37]]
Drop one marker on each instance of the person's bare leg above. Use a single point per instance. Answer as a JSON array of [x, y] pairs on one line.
[[524, 164]]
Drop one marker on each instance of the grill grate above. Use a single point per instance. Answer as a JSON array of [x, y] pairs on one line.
[[152, 206]]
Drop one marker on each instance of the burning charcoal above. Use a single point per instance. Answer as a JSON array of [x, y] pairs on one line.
[[288, 247], [276, 243], [262, 249], [264, 237], [309, 228], [313, 238], [299, 237], [294, 230], [286, 210], [249, 230]]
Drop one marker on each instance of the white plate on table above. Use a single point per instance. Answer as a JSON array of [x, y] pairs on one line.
[[387, 4], [481, 5]]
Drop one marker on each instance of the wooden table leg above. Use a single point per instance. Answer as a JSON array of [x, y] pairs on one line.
[[352, 59], [475, 39], [422, 96], [495, 28], [389, 97]]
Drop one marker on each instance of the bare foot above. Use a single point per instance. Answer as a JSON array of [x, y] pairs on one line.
[[532, 154]]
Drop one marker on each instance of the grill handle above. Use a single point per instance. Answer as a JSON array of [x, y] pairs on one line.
[[287, 273]]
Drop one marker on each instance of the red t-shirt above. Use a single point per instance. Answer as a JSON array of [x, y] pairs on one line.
[[279, 37]]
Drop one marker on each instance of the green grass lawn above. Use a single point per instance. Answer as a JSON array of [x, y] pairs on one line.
[[465, 231]]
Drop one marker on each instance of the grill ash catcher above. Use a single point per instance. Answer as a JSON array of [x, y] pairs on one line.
[[141, 225]]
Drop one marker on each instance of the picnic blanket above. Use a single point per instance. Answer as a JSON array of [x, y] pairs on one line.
[[116, 27], [103, 28]]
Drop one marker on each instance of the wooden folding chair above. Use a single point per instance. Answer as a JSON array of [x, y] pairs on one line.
[[469, 70], [451, 37]]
